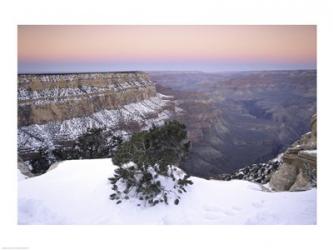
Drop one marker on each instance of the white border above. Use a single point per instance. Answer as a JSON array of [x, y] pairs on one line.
[[164, 12]]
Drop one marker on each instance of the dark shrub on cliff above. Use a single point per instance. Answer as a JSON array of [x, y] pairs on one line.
[[41, 162], [92, 144], [148, 166], [95, 143]]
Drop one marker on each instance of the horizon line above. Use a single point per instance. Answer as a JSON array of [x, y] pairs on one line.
[[147, 71]]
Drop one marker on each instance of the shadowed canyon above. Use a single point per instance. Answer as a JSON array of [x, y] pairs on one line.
[[233, 119], [239, 118]]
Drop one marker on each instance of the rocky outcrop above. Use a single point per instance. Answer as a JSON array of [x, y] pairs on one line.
[[259, 173], [293, 170], [241, 118], [58, 97], [54, 110], [299, 164], [24, 168]]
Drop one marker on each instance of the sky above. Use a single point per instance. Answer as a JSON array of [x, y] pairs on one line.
[[67, 48]]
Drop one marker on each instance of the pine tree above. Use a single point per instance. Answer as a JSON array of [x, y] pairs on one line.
[[148, 165]]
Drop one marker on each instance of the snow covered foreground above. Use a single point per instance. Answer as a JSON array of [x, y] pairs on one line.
[[77, 192]]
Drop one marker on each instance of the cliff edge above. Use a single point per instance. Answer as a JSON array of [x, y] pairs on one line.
[[54, 110], [298, 171]]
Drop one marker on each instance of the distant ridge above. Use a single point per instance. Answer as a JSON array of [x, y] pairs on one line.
[[81, 73]]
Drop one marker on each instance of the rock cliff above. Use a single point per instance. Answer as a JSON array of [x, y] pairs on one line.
[[58, 97], [299, 164], [54, 110], [293, 170], [237, 119]]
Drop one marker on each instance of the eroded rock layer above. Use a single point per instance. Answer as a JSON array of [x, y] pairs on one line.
[[299, 164], [293, 170], [237, 119], [55, 110], [58, 97]]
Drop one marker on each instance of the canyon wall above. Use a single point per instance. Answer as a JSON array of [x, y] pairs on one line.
[[58, 97], [293, 170], [235, 119], [298, 171], [54, 110]]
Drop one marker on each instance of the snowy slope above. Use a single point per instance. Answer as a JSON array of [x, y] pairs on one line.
[[77, 192], [33, 137]]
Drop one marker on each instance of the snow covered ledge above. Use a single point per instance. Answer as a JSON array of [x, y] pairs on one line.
[[77, 192]]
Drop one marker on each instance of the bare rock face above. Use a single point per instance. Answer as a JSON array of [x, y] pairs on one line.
[[56, 110], [24, 168], [298, 171], [58, 97], [241, 118]]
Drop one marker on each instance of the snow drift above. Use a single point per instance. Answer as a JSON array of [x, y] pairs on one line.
[[77, 192]]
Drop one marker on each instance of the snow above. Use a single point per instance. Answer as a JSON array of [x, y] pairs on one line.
[[278, 158], [310, 152], [77, 192], [20, 176], [53, 94], [35, 136]]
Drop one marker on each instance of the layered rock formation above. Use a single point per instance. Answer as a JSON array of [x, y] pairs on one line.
[[293, 170], [55, 109], [299, 164], [58, 97], [238, 119]]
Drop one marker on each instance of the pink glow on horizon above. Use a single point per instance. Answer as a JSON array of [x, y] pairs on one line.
[[149, 44]]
